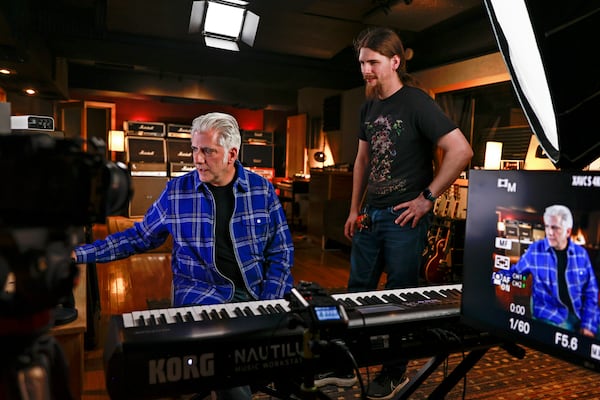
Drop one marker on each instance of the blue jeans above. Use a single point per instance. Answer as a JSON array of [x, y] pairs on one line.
[[387, 247], [390, 248]]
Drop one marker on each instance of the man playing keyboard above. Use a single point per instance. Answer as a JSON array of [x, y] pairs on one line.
[[231, 240]]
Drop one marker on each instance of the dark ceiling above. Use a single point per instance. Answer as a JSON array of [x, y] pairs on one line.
[[143, 48]]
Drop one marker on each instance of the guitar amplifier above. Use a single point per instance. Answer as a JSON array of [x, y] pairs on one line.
[[179, 151], [137, 128], [512, 229], [179, 131], [257, 155], [146, 190], [179, 156], [525, 232], [146, 156], [257, 137], [178, 169]]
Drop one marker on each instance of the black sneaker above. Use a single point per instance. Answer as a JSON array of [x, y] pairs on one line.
[[385, 387], [341, 379]]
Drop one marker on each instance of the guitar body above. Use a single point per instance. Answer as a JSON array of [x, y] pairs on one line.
[[436, 267]]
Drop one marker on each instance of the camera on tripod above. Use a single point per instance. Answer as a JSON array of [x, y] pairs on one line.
[[52, 191]]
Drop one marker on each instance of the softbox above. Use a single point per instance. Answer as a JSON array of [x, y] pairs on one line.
[[548, 47]]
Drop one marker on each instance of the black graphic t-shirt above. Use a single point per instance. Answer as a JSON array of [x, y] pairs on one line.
[[402, 131]]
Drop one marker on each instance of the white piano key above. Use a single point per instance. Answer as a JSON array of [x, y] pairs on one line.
[[162, 313], [398, 292], [128, 321]]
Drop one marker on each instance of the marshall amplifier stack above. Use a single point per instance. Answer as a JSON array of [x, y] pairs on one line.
[[257, 149], [179, 149], [146, 156], [256, 153]]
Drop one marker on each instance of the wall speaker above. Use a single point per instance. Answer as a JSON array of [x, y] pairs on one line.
[[256, 155], [146, 190]]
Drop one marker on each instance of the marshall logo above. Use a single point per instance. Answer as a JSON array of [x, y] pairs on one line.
[[144, 128], [146, 153], [184, 154], [175, 369], [182, 129]]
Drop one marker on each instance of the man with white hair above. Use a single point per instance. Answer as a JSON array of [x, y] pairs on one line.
[[231, 240], [564, 289]]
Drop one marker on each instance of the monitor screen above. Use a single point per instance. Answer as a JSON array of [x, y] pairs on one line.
[[530, 271]]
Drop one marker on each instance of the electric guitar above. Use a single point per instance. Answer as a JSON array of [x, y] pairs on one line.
[[438, 267], [430, 248]]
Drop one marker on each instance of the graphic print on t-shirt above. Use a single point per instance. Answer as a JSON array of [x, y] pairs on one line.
[[384, 134]]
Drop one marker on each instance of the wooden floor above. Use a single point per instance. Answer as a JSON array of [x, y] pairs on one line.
[[139, 282]]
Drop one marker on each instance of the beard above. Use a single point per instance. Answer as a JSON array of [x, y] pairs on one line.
[[372, 91]]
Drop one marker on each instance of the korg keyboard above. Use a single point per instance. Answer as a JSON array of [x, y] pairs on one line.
[[176, 351]]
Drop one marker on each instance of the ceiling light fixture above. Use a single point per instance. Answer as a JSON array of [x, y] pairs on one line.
[[224, 23]]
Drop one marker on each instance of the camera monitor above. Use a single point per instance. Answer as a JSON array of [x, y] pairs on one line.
[[513, 286]]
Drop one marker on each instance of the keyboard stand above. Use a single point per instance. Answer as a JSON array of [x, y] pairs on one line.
[[459, 372]]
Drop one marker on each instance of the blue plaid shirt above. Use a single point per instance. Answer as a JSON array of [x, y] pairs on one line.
[[540, 261], [261, 238]]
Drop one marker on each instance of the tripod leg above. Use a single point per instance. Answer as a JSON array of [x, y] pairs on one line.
[[41, 372], [33, 383]]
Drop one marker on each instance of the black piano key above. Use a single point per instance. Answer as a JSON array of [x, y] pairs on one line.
[[248, 311], [432, 294], [152, 320], [162, 319], [178, 317], [214, 314], [415, 296], [348, 302], [238, 311], [204, 315], [271, 309], [223, 314], [393, 298], [453, 293], [189, 317], [261, 309], [369, 300], [280, 308], [141, 321]]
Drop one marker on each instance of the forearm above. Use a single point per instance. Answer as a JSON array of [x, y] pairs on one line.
[[456, 156], [359, 183], [452, 165]]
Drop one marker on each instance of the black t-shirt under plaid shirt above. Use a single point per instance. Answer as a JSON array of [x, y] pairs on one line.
[[401, 131]]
